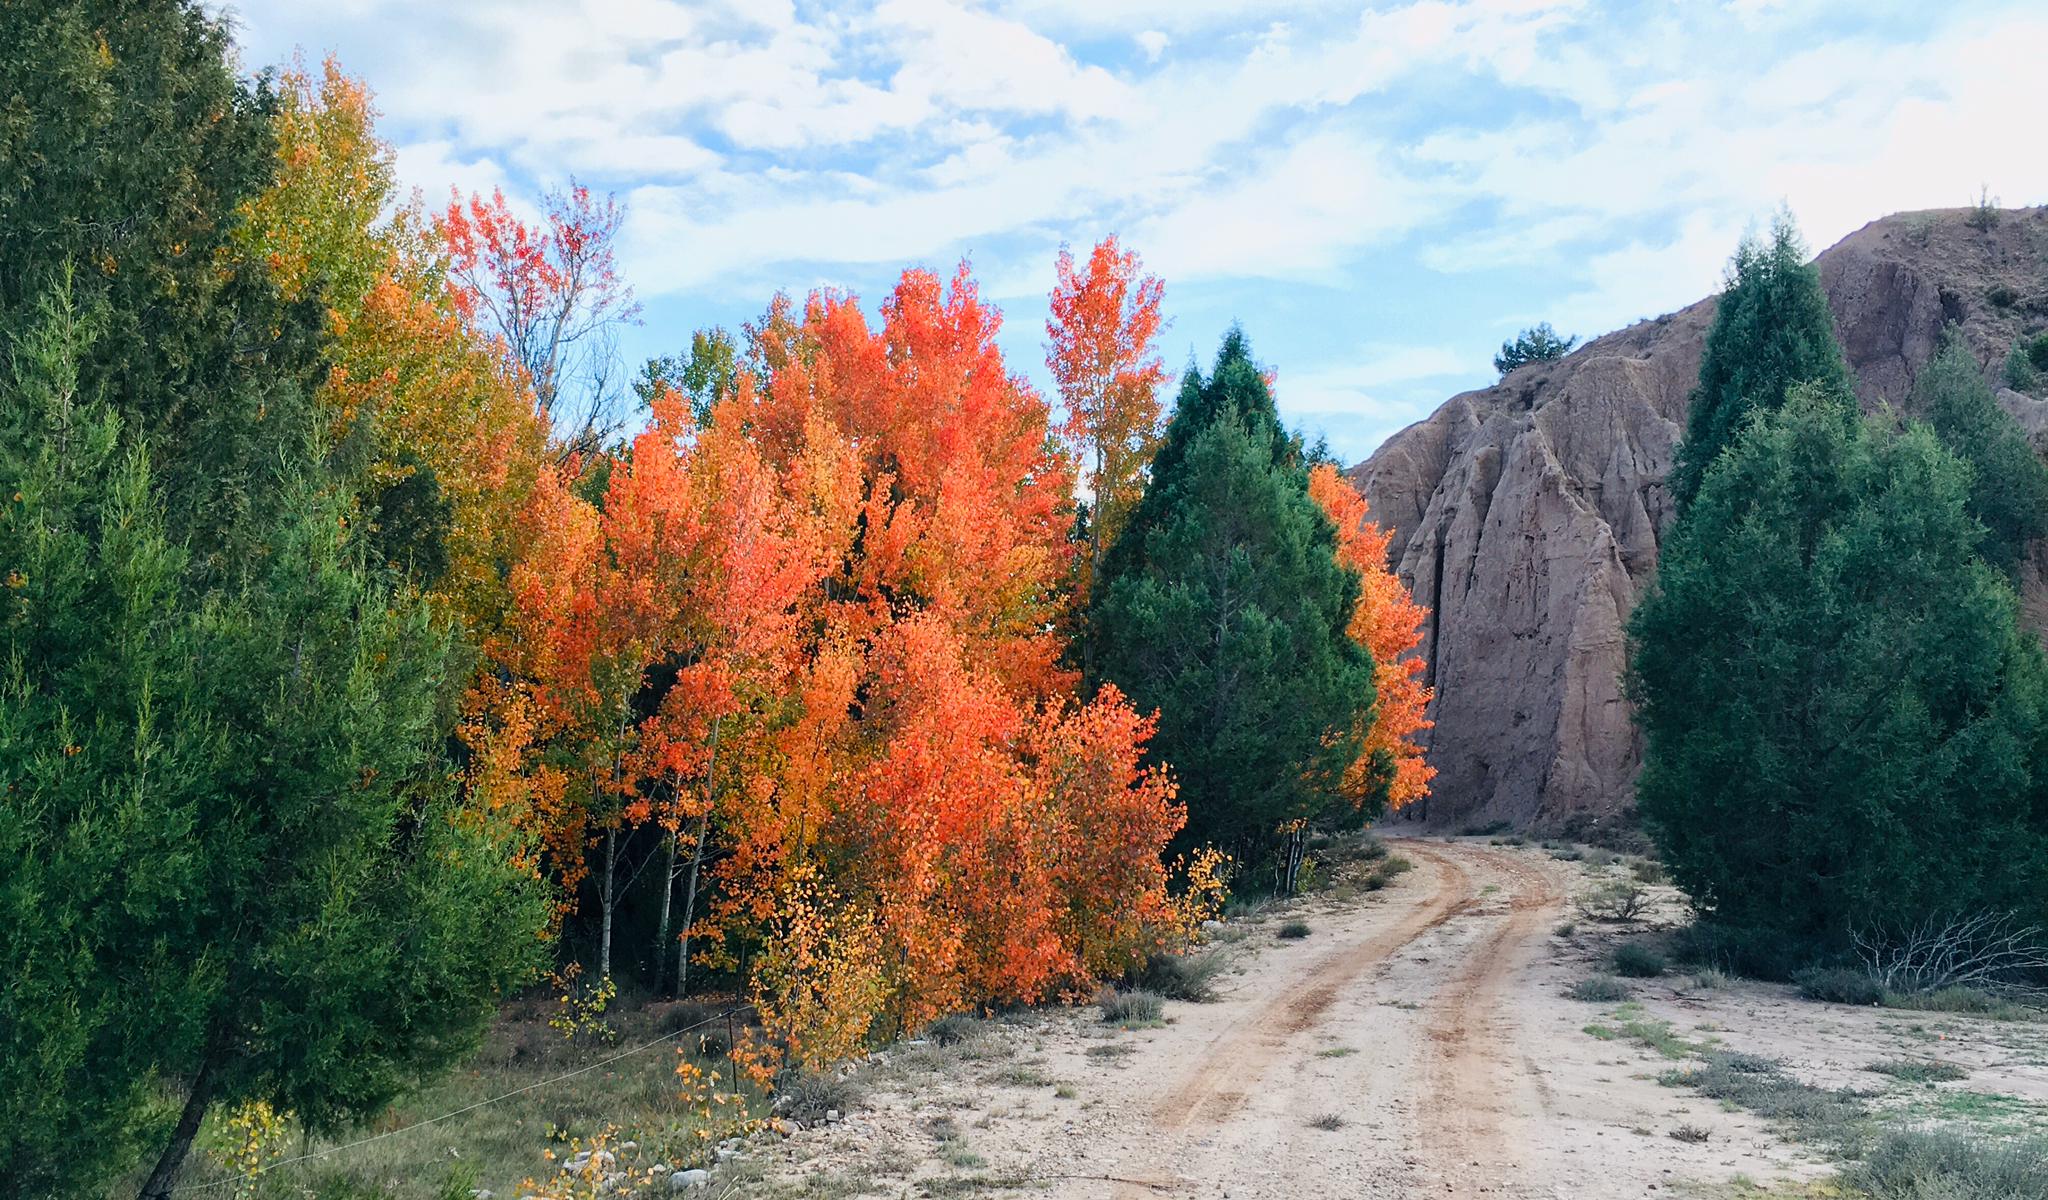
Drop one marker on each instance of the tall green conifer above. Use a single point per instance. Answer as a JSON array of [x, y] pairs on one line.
[[1223, 607]]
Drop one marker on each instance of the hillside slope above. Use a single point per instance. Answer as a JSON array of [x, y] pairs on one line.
[[1527, 515]]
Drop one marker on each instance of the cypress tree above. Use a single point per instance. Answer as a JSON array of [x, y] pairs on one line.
[[230, 867], [1772, 329], [1844, 720], [2008, 484], [1223, 607]]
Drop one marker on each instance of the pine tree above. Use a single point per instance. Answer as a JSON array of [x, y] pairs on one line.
[[1224, 608], [2008, 484], [128, 147], [1844, 720], [1540, 344], [229, 861], [1771, 330]]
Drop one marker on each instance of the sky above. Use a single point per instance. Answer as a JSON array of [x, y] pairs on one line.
[[1378, 194]]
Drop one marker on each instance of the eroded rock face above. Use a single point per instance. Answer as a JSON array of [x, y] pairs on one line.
[[1527, 515]]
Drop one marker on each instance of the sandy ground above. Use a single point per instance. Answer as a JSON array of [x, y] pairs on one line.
[[1430, 1021]]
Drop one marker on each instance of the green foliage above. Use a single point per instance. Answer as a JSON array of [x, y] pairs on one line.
[[1920, 1070], [229, 803], [1772, 330], [707, 375], [1540, 344], [2008, 484], [1223, 607], [1839, 985], [1842, 714], [127, 145], [1187, 976], [1638, 961], [1939, 1165], [2026, 362], [1294, 930]]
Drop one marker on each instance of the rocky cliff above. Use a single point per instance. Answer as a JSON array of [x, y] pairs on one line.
[[1527, 515]]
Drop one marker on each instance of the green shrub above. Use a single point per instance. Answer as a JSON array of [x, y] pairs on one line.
[[1839, 985], [1294, 930], [1927, 1165], [1638, 961], [952, 1029], [1132, 1008], [1919, 1070], [1180, 976], [1599, 989], [1761, 1086]]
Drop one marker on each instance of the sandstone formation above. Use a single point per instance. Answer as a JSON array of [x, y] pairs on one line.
[[1527, 515]]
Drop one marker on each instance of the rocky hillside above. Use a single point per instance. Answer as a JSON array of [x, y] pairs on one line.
[[1527, 515]]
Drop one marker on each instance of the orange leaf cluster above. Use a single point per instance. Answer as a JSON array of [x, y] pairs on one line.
[[1388, 622]]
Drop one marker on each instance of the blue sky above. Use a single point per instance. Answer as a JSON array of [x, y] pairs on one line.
[[1378, 194]]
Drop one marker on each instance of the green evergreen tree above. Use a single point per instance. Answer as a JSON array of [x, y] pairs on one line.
[[229, 860], [2009, 484], [127, 145], [1844, 720], [1771, 330], [1222, 606], [1540, 344]]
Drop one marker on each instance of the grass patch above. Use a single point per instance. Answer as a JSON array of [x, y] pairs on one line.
[[1110, 1050], [1929, 1165], [1919, 1070], [1294, 930], [1133, 1009], [1837, 1119], [1385, 871], [1630, 1022], [1599, 989], [1337, 1052], [952, 1029], [1973, 1002], [1692, 1135], [1328, 1122]]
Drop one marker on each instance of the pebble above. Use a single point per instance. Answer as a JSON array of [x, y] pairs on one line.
[[695, 1177]]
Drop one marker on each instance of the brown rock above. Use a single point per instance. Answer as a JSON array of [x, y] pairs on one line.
[[1527, 514]]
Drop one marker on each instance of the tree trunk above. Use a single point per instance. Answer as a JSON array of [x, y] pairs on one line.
[[668, 888], [697, 856], [690, 901], [165, 1177], [604, 937]]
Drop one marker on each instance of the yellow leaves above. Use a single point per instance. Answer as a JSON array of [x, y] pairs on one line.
[[250, 1139]]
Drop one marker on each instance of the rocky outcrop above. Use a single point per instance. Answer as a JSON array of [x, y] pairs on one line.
[[1527, 514]]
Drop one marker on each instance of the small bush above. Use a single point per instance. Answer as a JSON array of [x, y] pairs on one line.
[[808, 1096], [1133, 1008], [1839, 985], [1968, 1001], [952, 1029], [2020, 372], [1487, 830], [1385, 871], [1599, 989], [1328, 1122], [1984, 213], [1180, 976], [1294, 930], [1567, 929], [1690, 1134], [1649, 871], [1919, 1070], [1615, 900], [1638, 961], [2001, 296], [1923, 1165]]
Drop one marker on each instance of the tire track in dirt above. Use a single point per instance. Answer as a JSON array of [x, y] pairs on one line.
[[1239, 1055], [1472, 1073]]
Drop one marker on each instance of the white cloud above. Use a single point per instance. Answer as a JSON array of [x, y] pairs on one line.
[[1152, 43]]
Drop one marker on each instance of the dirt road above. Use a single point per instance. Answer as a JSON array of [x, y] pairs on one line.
[[1418, 1043]]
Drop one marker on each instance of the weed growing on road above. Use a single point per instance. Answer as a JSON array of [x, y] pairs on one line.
[[1294, 930], [1180, 976], [1691, 1134], [1836, 1119], [1328, 1122], [1336, 1052]]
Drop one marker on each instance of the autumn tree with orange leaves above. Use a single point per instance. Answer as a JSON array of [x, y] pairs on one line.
[[1388, 622], [1104, 319]]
